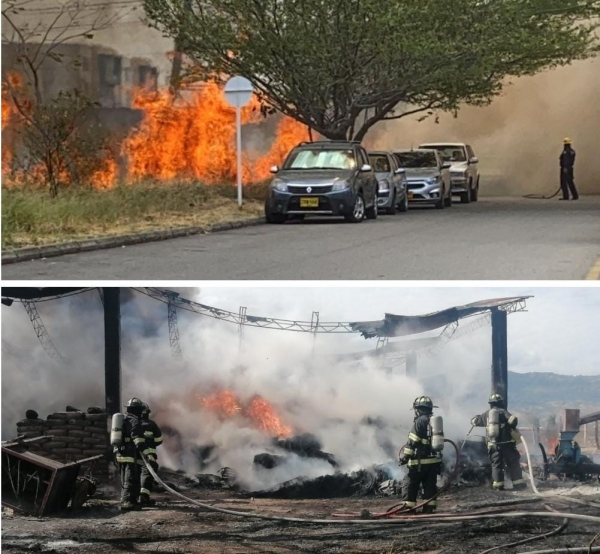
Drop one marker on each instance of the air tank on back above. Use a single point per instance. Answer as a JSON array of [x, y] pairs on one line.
[[493, 426], [116, 430], [437, 433]]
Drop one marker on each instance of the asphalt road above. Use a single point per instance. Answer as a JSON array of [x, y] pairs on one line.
[[495, 238]]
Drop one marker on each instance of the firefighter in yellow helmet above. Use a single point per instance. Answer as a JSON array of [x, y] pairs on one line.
[[567, 166], [424, 465], [502, 438]]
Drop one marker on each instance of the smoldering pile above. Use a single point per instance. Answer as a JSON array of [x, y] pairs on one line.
[[377, 480]]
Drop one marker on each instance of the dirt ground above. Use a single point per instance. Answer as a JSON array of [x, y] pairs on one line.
[[173, 526]]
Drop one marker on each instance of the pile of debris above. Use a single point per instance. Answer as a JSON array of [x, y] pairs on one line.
[[475, 468], [72, 435], [304, 446]]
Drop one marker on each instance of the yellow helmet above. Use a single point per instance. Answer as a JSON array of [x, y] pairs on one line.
[[566, 140]]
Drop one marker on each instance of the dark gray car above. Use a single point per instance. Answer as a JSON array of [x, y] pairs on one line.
[[392, 182], [323, 178]]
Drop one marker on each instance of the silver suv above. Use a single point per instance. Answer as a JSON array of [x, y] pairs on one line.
[[464, 171]]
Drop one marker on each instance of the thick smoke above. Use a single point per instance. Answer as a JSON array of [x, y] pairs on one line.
[[311, 391], [518, 138]]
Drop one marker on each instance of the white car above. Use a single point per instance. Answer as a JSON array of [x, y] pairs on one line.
[[464, 171]]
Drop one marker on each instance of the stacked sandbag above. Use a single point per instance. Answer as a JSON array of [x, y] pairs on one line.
[[73, 435]]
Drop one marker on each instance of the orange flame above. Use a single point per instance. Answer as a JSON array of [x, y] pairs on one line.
[[225, 404], [265, 417], [182, 139], [195, 139]]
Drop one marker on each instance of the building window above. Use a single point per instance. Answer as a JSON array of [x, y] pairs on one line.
[[109, 68], [147, 76]]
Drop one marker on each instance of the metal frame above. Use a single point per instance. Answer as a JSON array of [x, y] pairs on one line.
[[41, 331], [174, 342]]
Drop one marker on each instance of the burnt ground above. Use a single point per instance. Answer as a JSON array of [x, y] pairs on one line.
[[176, 527]]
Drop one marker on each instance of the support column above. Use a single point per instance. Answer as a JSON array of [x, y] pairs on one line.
[[112, 349], [500, 354], [411, 363]]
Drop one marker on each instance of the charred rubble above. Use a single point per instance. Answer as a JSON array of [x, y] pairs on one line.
[[304, 446]]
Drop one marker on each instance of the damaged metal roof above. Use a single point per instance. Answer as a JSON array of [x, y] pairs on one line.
[[402, 325]]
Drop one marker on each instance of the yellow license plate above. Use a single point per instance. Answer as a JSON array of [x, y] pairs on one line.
[[309, 202], [410, 195]]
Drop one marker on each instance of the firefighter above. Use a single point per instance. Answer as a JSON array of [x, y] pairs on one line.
[[424, 465], [128, 456], [153, 438], [567, 165], [502, 438]]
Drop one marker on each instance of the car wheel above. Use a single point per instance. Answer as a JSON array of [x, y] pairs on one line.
[[439, 205], [475, 192], [358, 212], [449, 200], [373, 211], [404, 206], [465, 197], [392, 209], [274, 217]]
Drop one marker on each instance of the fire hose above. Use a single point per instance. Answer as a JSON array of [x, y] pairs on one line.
[[439, 518]]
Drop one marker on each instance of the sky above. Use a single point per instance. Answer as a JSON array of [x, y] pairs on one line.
[[309, 388]]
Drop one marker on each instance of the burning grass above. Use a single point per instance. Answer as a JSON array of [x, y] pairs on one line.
[[31, 217]]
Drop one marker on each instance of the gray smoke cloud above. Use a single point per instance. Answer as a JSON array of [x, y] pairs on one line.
[[518, 138]]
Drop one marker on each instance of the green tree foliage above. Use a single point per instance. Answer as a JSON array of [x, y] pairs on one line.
[[340, 66]]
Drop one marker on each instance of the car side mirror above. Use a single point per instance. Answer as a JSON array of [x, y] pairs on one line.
[[366, 168], [446, 165], [400, 171], [274, 169], [474, 160]]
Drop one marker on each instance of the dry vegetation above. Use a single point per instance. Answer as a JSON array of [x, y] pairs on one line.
[[31, 217]]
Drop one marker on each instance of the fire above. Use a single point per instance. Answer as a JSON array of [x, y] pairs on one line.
[[265, 417], [195, 139], [180, 138], [225, 404]]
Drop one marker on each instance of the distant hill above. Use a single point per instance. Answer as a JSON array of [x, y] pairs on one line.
[[547, 393]]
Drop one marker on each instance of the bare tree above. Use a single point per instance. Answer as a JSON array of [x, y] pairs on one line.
[[52, 129]]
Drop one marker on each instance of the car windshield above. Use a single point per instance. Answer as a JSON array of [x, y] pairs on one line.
[[321, 158], [380, 163], [450, 153], [416, 159]]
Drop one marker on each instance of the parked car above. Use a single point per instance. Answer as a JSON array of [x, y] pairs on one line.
[[464, 171], [392, 182], [428, 177], [323, 178]]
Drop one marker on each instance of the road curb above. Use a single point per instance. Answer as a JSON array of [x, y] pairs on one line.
[[88, 245]]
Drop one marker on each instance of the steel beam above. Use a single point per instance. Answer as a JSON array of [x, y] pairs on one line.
[[112, 349], [500, 353]]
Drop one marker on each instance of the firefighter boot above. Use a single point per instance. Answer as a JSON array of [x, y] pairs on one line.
[[428, 509], [129, 506], [145, 500], [519, 486]]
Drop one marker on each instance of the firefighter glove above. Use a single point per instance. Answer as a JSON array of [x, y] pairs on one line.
[[403, 460]]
